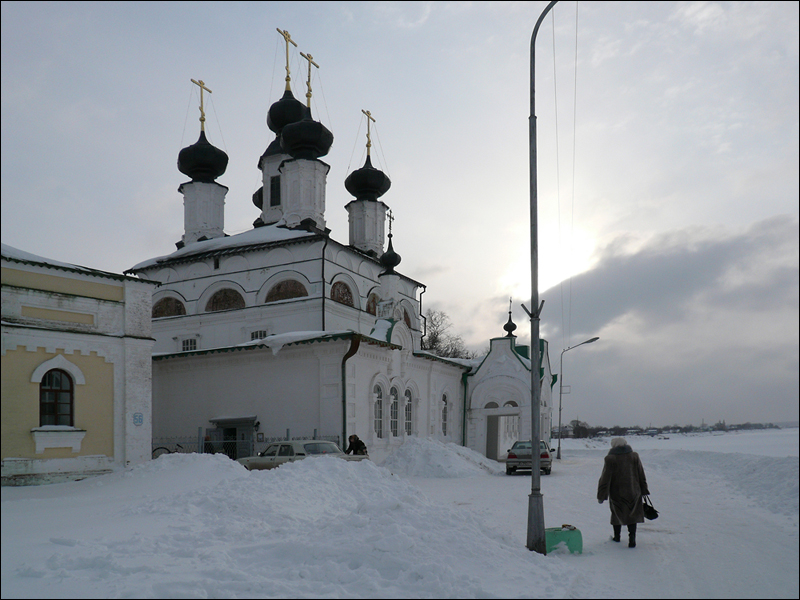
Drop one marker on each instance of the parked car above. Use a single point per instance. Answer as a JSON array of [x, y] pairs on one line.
[[519, 457], [279, 453]]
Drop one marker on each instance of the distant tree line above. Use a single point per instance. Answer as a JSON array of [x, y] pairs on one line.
[[583, 430]]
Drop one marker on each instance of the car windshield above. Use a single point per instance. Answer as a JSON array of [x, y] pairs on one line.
[[521, 446], [322, 448]]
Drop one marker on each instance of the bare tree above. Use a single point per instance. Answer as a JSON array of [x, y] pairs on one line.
[[439, 341]]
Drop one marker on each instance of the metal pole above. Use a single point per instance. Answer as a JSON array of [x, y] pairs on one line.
[[561, 388], [536, 535]]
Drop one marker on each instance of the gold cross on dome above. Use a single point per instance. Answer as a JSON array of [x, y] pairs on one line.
[[369, 140], [202, 86], [310, 60], [288, 38]]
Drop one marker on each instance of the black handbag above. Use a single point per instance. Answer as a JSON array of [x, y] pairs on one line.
[[650, 512]]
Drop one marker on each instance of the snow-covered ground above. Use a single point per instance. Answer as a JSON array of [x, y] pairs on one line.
[[436, 520]]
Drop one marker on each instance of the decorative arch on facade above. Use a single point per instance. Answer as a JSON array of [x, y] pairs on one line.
[[504, 392], [343, 258], [410, 407], [165, 275], [409, 316], [402, 337], [343, 293], [235, 263], [372, 303], [225, 299], [279, 278], [198, 269], [169, 304], [286, 290], [446, 411], [378, 405], [58, 362], [205, 298], [394, 410], [347, 279], [278, 256]]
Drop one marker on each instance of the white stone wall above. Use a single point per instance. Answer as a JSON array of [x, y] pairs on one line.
[[294, 389], [253, 275]]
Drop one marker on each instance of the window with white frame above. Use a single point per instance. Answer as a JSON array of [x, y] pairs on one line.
[[393, 411], [409, 423], [258, 335], [378, 392], [444, 414], [188, 344], [56, 399]]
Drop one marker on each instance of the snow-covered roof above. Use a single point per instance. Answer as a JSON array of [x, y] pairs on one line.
[[278, 341], [255, 238], [17, 255]]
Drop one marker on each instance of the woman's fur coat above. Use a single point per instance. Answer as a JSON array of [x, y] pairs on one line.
[[623, 484]]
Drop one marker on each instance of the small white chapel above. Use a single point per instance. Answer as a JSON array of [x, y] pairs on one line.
[[284, 330]]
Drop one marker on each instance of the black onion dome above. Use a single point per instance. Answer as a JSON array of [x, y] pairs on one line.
[[367, 183], [201, 161], [285, 111], [308, 139], [510, 326], [390, 259], [273, 149]]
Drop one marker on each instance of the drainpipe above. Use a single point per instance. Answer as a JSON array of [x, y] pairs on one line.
[[464, 411], [324, 247], [355, 342], [422, 316]]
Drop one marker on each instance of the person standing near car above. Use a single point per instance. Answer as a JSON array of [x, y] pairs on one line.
[[356, 446], [623, 484]]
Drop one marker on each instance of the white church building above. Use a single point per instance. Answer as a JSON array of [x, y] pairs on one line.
[[284, 330]]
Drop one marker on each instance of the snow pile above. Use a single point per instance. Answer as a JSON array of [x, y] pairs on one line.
[[200, 526], [189, 525], [419, 457]]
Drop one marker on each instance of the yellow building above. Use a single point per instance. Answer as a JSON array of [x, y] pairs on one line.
[[76, 370]]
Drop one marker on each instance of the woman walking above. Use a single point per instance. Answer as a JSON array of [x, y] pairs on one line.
[[623, 484]]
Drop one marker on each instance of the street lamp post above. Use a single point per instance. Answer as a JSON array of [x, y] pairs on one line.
[[536, 534], [561, 388]]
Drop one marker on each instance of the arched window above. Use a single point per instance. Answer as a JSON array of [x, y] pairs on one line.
[[378, 392], [406, 319], [226, 299], [372, 304], [285, 290], [444, 414], [393, 411], [341, 293], [409, 423], [168, 307], [56, 399]]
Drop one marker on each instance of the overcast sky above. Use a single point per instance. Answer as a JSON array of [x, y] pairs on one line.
[[668, 167]]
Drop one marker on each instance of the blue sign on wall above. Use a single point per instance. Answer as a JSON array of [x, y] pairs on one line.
[[138, 419]]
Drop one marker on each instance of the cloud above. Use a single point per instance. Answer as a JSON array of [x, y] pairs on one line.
[[676, 274], [693, 324]]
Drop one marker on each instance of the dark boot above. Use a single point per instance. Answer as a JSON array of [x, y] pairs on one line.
[[617, 531], [632, 536]]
